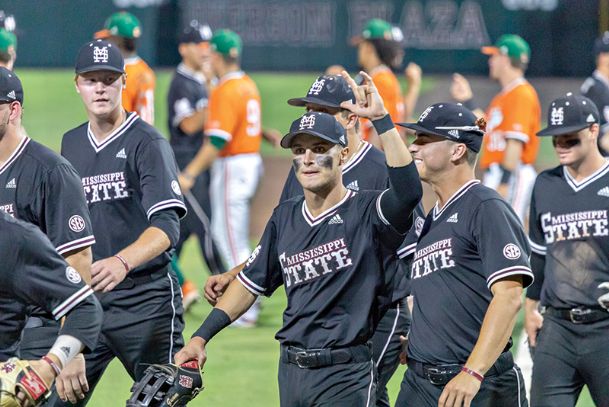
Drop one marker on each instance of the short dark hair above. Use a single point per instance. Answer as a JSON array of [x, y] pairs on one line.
[[5, 57], [471, 157], [231, 59], [389, 52], [519, 64]]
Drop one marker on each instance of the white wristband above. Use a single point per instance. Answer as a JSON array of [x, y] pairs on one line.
[[66, 347]]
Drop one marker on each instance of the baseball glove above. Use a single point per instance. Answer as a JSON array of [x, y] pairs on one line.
[[167, 386], [18, 376]]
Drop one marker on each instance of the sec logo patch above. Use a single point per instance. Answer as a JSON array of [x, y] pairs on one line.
[[511, 251], [76, 223], [176, 187], [72, 275]]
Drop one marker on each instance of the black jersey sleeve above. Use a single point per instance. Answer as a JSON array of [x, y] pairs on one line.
[[66, 215], [184, 100], [501, 242], [262, 273], [538, 248], [158, 174]]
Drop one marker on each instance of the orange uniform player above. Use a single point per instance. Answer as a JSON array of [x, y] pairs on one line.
[[389, 88], [123, 29]]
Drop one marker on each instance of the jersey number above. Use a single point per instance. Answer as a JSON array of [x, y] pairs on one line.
[[253, 118]]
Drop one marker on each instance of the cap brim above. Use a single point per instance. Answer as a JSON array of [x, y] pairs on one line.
[[303, 102], [420, 129], [93, 68], [489, 50], [285, 141], [102, 34], [560, 130]]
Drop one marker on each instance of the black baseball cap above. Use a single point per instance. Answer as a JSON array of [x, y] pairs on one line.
[[601, 44], [327, 90], [570, 114], [452, 121], [316, 124], [99, 55], [195, 33], [10, 87]]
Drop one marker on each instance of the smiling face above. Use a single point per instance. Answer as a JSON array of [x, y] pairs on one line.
[[317, 163], [100, 91], [433, 155], [573, 148]]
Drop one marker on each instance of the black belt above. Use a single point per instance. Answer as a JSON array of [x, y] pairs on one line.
[[312, 358], [439, 375], [140, 278], [578, 315]]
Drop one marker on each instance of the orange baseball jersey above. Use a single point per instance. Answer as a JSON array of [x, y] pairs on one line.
[[515, 113], [138, 95], [391, 92], [235, 115]]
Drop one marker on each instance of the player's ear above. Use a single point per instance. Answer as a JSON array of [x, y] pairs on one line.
[[343, 155], [459, 152]]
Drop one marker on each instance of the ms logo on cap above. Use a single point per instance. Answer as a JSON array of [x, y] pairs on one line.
[[100, 54], [307, 121], [317, 87], [557, 116]]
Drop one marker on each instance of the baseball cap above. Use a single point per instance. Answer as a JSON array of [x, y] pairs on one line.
[[8, 40], [10, 86], [569, 114], [512, 45], [327, 90], [226, 42], [452, 121], [376, 29], [195, 33], [121, 24], [99, 55], [602, 44], [316, 124]]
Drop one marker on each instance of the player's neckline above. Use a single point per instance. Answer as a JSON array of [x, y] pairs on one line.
[[356, 158], [455, 197], [15, 154], [579, 185], [116, 133], [316, 220]]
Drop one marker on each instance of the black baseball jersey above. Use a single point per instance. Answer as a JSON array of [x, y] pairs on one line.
[[187, 94], [365, 170], [32, 272], [126, 179], [40, 187], [569, 227], [474, 241], [596, 87], [330, 266]]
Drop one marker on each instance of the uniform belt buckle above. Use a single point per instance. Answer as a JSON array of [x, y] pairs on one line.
[[578, 315], [438, 376], [304, 360]]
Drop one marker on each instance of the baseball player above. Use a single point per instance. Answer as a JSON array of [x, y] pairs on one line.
[[8, 49], [326, 249], [570, 242], [123, 29], [596, 87], [130, 182], [510, 146], [33, 272], [232, 152], [467, 275], [379, 51], [187, 102]]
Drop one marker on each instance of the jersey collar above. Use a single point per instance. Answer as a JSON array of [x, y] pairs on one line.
[[437, 212], [231, 75], [515, 83], [131, 118], [357, 157], [600, 77], [132, 60], [13, 157], [313, 221], [190, 74], [379, 69], [579, 185]]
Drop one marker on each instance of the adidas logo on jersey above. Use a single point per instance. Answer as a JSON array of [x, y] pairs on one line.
[[336, 219], [121, 154], [453, 218], [353, 186], [11, 184], [603, 192]]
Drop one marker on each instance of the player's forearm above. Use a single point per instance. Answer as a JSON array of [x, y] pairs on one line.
[[81, 260], [512, 154], [236, 300], [194, 123], [151, 243], [203, 160], [497, 326], [396, 152]]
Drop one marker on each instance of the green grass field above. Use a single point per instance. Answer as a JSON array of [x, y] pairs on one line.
[[242, 364]]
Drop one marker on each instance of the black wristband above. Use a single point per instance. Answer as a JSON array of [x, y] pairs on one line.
[[470, 104], [383, 124], [506, 175], [216, 321]]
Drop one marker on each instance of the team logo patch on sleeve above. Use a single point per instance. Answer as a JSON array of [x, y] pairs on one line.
[[511, 251], [72, 275], [76, 223], [175, 186]]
